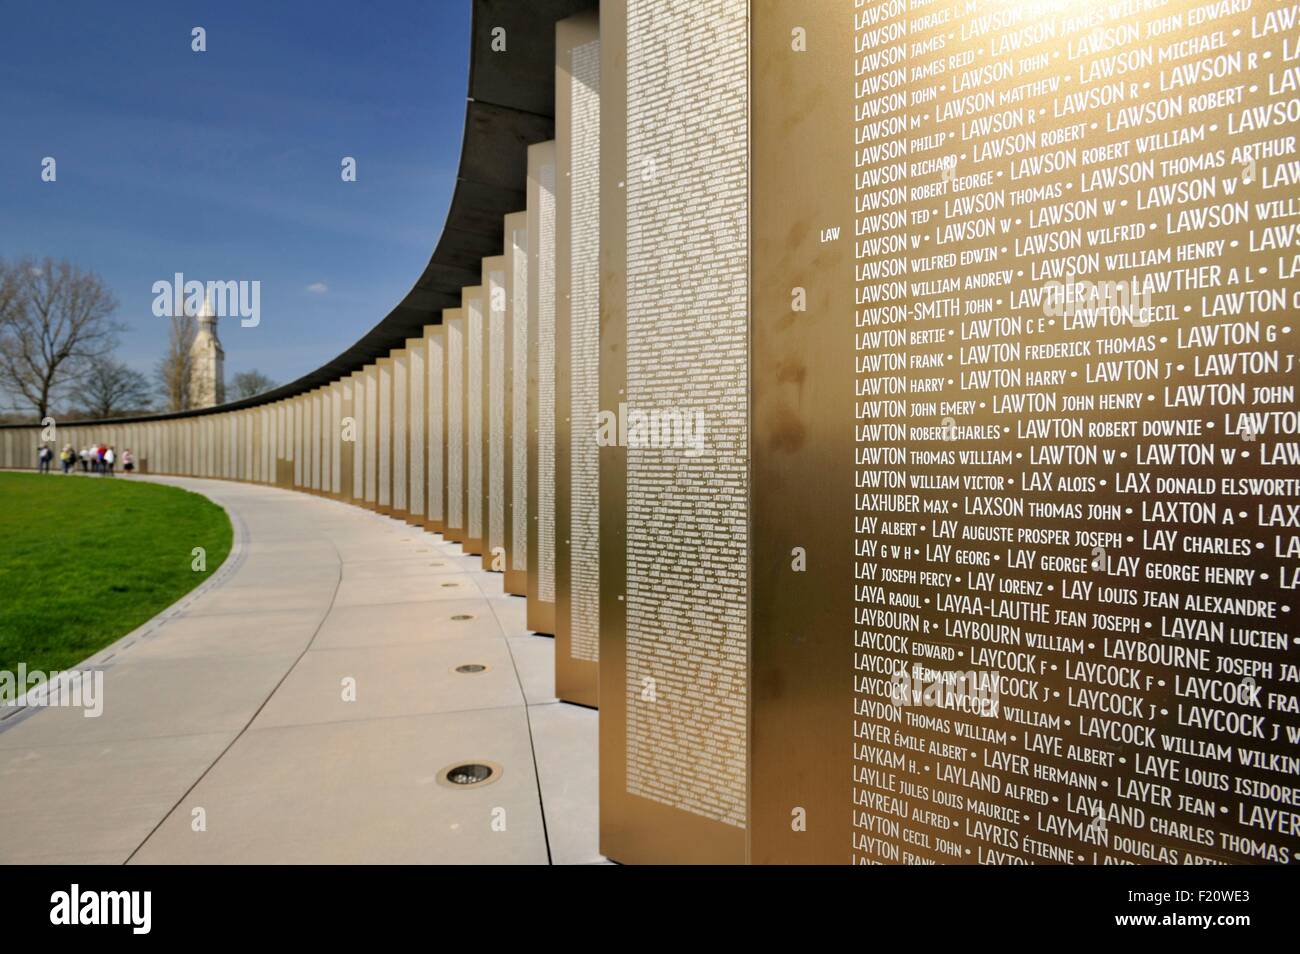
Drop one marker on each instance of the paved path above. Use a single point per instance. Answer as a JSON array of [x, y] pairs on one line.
[[229, 709]]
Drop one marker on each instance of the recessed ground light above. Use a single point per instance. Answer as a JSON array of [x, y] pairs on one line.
[[461, 617], [470, 668], [436, 563], [469, 774], [451, 584]]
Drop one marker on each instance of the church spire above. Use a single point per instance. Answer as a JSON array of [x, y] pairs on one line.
[[207, 360]]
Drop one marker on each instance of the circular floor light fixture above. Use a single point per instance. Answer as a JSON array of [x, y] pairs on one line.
[[470, 669], [469, 774]]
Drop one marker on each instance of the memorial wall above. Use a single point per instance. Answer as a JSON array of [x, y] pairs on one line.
[[890, 408], [1023, 328]]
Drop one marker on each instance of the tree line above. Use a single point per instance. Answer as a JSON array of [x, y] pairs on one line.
[[58, 342]]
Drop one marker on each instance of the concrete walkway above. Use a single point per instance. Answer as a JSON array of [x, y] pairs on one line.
[[227, 713]]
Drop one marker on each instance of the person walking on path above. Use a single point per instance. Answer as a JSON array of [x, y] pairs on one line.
[[109, 459], [43, 457], [67, 458], [85, 460], [128, 460]]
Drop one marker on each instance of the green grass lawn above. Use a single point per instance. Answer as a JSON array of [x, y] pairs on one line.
[[84, 560]]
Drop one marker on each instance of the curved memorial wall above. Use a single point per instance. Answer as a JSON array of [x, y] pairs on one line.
[[889, 406]]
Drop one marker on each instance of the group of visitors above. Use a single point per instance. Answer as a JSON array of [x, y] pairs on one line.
[[96, 459]]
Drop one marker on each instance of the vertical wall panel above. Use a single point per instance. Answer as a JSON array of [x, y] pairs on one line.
[[322, 439], [331, 399], [417, 428], [674, 609], [204, 446], [233, 428], [230, 435], [494, 412], [314, 445], [541, 388], [516, 404], [300, 471], [281, 446], [401, 437], [358, 447], [327, 435], [384, 435], [251, 444], [235, 451], [1033, 545], [790, 765], [453, 320], [472, 305], [435, 337], [577, 364], [344, 432], [370, 435]]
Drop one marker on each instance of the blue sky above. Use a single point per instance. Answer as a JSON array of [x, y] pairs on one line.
[[225, 165]]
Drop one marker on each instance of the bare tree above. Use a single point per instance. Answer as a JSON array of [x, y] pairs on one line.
[[247, 384], [112, 389], [174, 367], [55, 323]]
